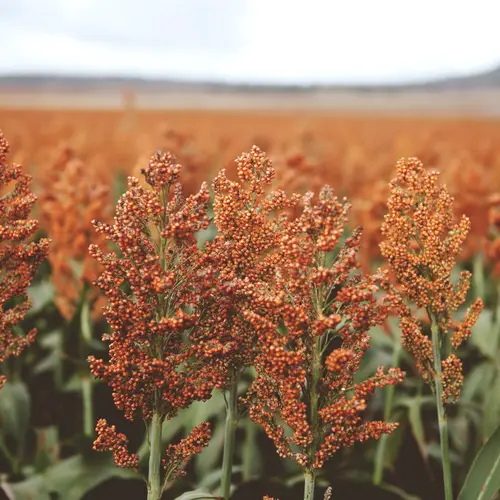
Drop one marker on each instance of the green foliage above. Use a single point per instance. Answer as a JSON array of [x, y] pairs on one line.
[[196, 495], [483, 480], [69, 479], [14, 410]]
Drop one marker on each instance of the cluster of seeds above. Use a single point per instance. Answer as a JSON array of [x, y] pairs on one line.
[[422, 244], [19, 256]]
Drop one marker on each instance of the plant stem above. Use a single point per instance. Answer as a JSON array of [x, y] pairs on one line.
[[478, 274], [155, 486], [86, 338], [309, 480], [155, 451], [442, 420], [230, 438], [309, 475], [314, 396], [378, 471], [88, 419]]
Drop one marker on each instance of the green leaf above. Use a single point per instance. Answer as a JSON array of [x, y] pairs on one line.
[[54, 360], [297, 478], [398, 491], [414, 406], [434, 452], [202, 411], [491, 417], [70, 479], [477, 382], [195, 495], [380, 339], [211, 481], [459, 432], [76, 267], [485, 335], [86, 322], [74, 384], [51, 340], [417, 426], [208, 459], [394, 440], [205, 235], [49, 363], [251, 457], [47, 447], [73, 477], [33, 488], [171, 428], [483, 479], [41, 294], [15, 408], [97, 345]]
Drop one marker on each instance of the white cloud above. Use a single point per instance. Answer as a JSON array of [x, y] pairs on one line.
[[251, 40]]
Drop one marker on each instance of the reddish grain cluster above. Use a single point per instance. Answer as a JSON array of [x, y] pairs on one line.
[[108, 439], [422, 244], [154, 284], [70, 200], [493, 244], [313, 337], [249, 220], [19, 257], [177, 455]]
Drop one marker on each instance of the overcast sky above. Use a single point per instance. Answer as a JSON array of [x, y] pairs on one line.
[[302, 41]]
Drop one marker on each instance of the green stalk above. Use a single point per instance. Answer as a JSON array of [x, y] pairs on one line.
[[155, 485], [309, 475], [230, 439], [442, 420], [87, 403], [155, 452], [378, 471], [314, 396], [478, 274], [496, 323], [88, 419], [309, 480]]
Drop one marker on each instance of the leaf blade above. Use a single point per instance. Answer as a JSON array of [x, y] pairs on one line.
[[483, 479]]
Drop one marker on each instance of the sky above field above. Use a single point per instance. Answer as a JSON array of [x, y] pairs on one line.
[[275, 41]]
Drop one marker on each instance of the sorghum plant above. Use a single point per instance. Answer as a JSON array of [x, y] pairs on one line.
[[19, 257], [312, 339], [249, 220], [422, 242], [493, 246], [154, 285], [68, 204]]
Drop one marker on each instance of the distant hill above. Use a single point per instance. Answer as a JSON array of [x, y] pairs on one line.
[[82, 83], [487, 79], [50, 83]]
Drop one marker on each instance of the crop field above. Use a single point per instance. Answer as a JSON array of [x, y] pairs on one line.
[[240, 337]]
